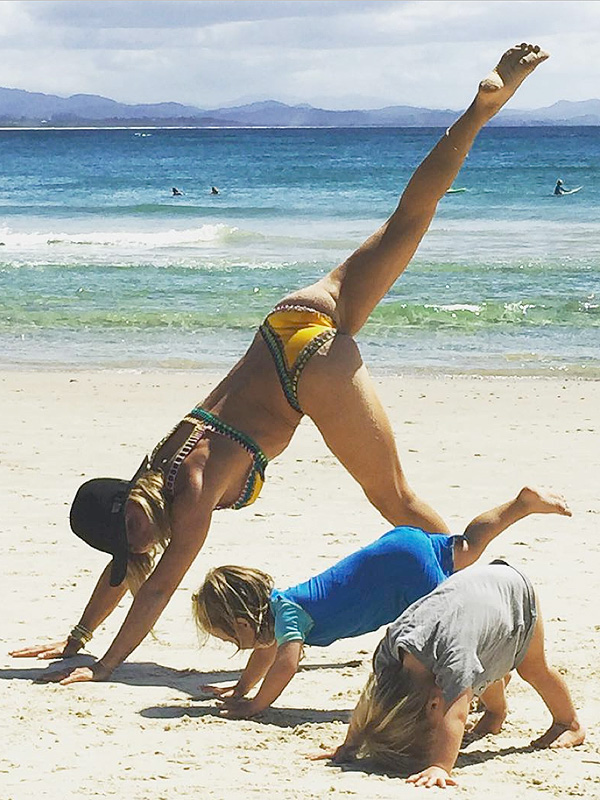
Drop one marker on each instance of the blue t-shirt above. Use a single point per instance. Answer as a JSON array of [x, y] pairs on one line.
[[365, 590]]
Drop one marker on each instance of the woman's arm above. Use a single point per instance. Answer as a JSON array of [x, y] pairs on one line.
[[283, 669], [103, 601], [191, 516], [151, 600]]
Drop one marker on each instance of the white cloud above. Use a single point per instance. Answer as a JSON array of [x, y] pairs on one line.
[[206, 53]]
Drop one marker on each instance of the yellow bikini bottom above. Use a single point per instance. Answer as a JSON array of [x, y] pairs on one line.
[[293, 334]]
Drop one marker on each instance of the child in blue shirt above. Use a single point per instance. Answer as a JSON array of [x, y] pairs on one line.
[[357, 595]]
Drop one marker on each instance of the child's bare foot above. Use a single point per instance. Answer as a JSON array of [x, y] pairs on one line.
[[504, 80], [558, 736], [490, 722], [536, 501]]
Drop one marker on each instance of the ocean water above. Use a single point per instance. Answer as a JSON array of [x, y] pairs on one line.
[[101, 266]]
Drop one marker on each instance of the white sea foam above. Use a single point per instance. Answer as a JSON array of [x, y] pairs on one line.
[[197, 236], [475, 309]]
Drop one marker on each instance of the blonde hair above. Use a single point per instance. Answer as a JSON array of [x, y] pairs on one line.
[[148, 492], [390, 720], [230, 593]]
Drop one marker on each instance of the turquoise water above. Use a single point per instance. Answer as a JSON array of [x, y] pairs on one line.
[[101, 266]]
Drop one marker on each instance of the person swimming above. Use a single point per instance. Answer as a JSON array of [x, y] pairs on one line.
[[176, 192]]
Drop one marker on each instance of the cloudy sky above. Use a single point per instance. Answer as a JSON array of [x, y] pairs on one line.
[[329, 53]]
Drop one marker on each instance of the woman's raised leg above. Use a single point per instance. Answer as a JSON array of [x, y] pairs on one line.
[[351, 291], [338, 394], [336, 390]]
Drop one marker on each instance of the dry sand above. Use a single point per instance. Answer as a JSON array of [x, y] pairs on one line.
[[467, 443]]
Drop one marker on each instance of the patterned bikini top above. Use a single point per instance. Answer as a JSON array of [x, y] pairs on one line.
[[203, 422]]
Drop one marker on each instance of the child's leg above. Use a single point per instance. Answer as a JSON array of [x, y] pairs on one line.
[[352, 290], [566, 730], [484, 528], [493, 701]]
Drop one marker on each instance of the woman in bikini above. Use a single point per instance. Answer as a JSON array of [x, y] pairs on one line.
[[303, 360]]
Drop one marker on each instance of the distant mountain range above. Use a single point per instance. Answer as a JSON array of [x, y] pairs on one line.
[[19, 108]]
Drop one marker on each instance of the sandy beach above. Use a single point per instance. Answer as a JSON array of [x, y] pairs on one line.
[[467, 444]]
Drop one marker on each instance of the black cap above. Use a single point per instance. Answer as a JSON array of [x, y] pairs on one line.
[[98, 517]]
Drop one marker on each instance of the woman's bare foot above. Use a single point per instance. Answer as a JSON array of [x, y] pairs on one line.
[[558, 736], [504, 80], [536, 501]]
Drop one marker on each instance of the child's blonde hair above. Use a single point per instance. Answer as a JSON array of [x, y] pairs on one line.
[[148, 493], [391, 722], [230, 593]]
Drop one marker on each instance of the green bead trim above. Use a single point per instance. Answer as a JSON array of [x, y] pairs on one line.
[[276, 348], [260, 459], [306, 354], [289, 377], [247, 492]]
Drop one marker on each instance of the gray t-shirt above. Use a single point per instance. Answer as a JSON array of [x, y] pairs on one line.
[[470, 631]]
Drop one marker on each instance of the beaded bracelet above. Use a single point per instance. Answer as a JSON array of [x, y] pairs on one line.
[[81, 634]]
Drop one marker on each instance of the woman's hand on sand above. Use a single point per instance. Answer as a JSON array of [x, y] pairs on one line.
[[95, 672], [64, 649], [432, 776]]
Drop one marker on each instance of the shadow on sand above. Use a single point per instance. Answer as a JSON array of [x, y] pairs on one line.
[[141, 673], [187, 681], [279, 717], [371, 767]]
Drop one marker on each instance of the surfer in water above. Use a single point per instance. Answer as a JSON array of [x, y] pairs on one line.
[[559, 189]]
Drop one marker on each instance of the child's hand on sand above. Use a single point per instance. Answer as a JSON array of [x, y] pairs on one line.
[[432, 776], [238, 708], [64, 649], [222, 692]]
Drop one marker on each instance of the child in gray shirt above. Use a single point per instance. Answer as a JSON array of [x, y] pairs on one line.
[[454, 644]]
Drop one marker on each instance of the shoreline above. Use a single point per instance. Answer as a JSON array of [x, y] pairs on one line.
[[378, 372]]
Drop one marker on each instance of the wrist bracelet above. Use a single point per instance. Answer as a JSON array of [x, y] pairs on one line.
[[81, 634]]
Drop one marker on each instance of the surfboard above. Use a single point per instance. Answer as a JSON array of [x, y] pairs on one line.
[[569, 191], [457, 191]]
